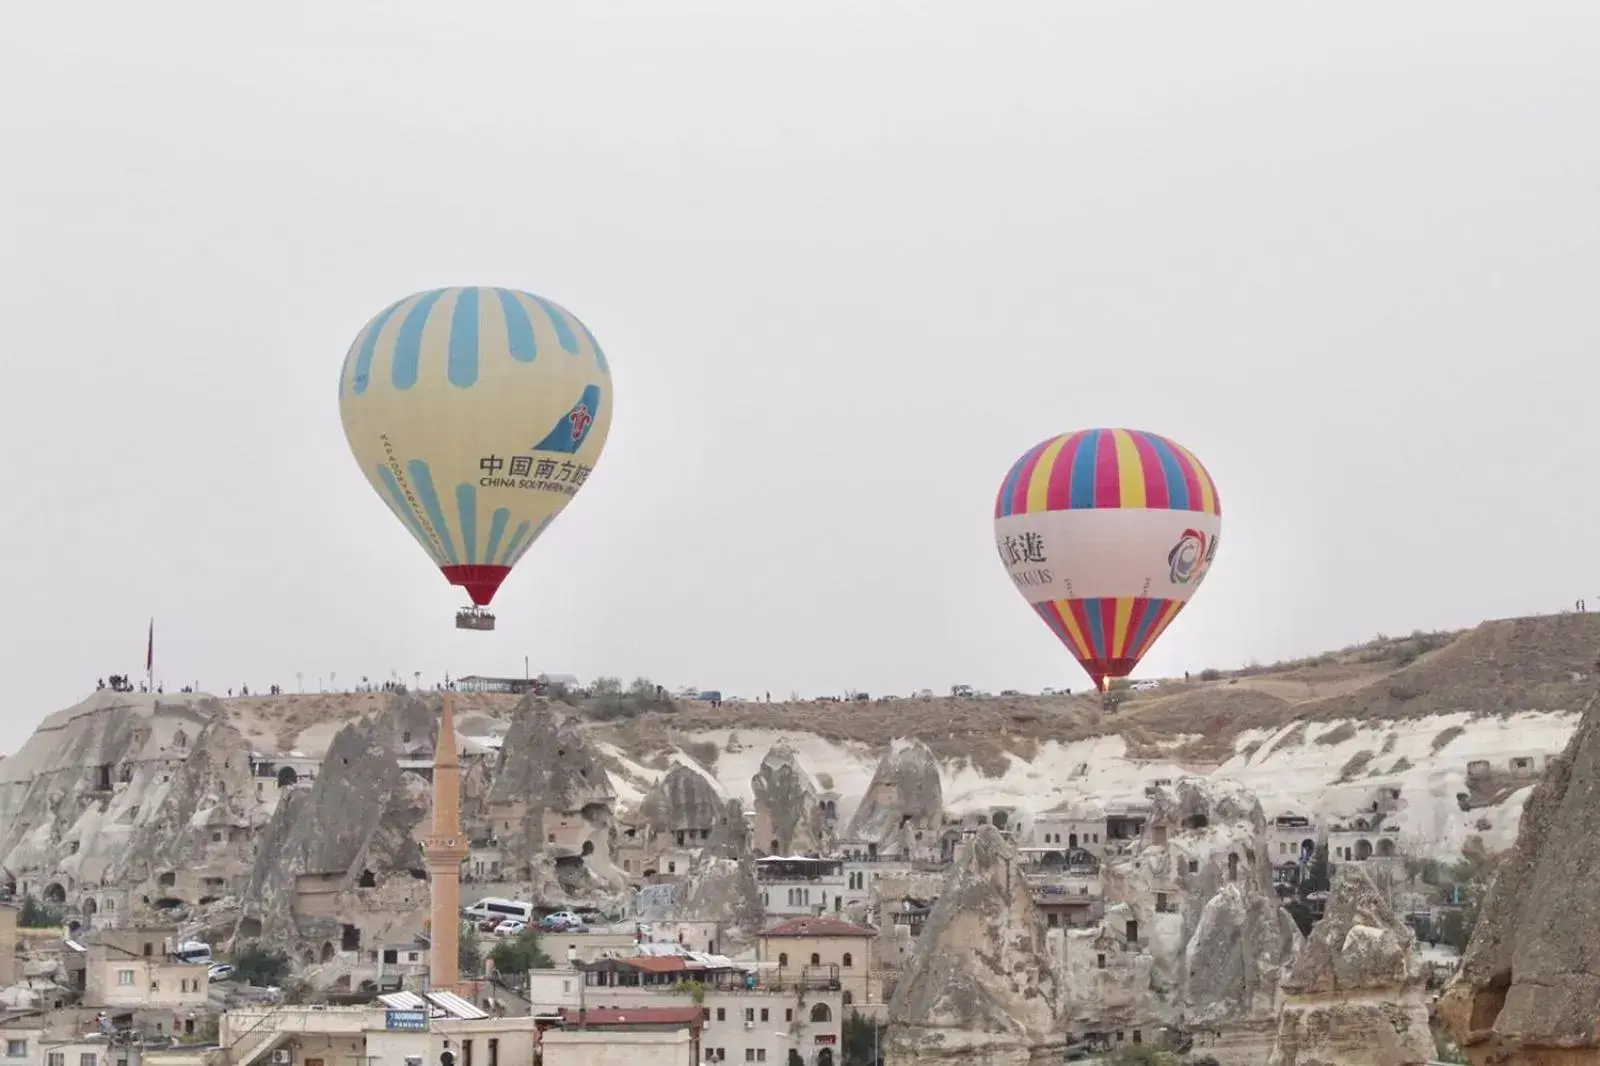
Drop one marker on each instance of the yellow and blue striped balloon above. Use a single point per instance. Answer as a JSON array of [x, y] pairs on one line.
[[476, 414]]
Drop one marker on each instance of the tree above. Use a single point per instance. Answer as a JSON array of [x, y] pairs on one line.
[[520, 953], [254, 964], [861, 1037], [606, 686], [36, 915], [469, 950]]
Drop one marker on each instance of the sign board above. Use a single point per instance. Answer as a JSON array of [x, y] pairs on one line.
[[406, 1021]]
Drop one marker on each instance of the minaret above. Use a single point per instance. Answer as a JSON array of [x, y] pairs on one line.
[[445, 849]]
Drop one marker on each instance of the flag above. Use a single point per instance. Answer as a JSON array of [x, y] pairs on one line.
[[150, 648]]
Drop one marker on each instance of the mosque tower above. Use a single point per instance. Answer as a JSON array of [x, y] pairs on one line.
[[444, 850]]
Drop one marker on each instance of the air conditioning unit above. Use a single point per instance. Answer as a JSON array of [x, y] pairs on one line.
[[281, 1057], [749, 1025]]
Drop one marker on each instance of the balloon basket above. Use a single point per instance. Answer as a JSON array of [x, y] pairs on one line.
[[474, 618]]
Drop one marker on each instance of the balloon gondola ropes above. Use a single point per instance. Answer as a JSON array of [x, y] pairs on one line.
[[1107, 533], [476, 414], [474, 618]]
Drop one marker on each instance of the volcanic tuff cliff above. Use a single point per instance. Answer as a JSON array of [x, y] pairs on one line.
[[981, 989], [132, 806], [904, 798], [789, 815], [1354, 996], [362, 813], [1529, 988]]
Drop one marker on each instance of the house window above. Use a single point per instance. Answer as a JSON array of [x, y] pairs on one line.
[[412, 956], [761, 1054], [816, 960], [1138, 1036], [788, 1014], [57, 1058], [846, 958], [763, 1014], [672, 868], [749, 1014], [783, 958], [16, 1049], [1100, 961], [391, 955], [849, 997], [749, 1054], [125, 978], [722, 1014]]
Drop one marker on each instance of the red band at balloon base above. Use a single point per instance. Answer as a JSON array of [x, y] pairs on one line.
[[1102, 671], [480, 581]]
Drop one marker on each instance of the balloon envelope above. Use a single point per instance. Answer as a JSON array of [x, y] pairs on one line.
[[476, 414], [1107, 533]]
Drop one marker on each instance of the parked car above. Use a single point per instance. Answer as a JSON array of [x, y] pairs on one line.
[[510, 927], [561, 922], [221, 972]]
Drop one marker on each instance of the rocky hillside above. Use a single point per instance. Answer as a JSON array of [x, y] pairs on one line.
[[159, 802]]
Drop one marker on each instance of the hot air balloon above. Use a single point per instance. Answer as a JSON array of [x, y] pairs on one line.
[[476, 414], [1107, 533]]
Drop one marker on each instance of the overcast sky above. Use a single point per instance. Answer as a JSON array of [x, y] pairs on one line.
[[847, 260]]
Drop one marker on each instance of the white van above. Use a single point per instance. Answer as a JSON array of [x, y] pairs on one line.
[[494, 907]]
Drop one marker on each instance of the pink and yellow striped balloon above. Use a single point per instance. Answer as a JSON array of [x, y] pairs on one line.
[[1107, 533]]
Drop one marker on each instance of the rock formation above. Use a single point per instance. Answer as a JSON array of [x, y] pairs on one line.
[[361, 814], [721, 885], [789, 818], [1192, 927], [980, 990], [685, 806], [1354, 995], [904, 799], [550, 793], [1529, 987]]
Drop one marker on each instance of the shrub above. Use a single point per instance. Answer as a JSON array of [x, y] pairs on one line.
[[1442, 739], [255, 965]]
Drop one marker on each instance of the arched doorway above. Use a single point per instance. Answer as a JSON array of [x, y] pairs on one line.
[[54, 893], [327, 951], [287, 777], [825, 1057], [1363, 849]]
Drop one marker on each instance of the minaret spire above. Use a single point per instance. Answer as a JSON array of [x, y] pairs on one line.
[[445, 849]]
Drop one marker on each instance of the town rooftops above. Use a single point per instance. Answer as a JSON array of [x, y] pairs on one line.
[[613, 1016], [819, 927]]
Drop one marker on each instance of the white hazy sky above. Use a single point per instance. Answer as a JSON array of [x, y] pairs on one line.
[[848, 260]]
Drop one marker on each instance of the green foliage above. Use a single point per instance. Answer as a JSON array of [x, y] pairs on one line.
[[1210, 674], [254, 964], [856, 1041], [1318, 876], [521, 953], [36, 915], [469, 950]]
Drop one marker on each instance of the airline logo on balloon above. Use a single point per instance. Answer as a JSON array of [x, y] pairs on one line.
[[1191, 557], [547, 475]]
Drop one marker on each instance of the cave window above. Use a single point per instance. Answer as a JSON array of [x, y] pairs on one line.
[[1100, 961], [1052, 920], [391, 955], [327, 951], [405, 737], [287, 777], [1194, 866], [1138, 1036], [849, 998], [1131, 930], [167, 880], [368, 880], [672, 867], [1233, 866], [846, 961], [783, 958], [216, 836], [816, 960], [1161, 903], [588, 847], [180, 739], [774, 849], [351, 939], [550, 838], [1072, 839]]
